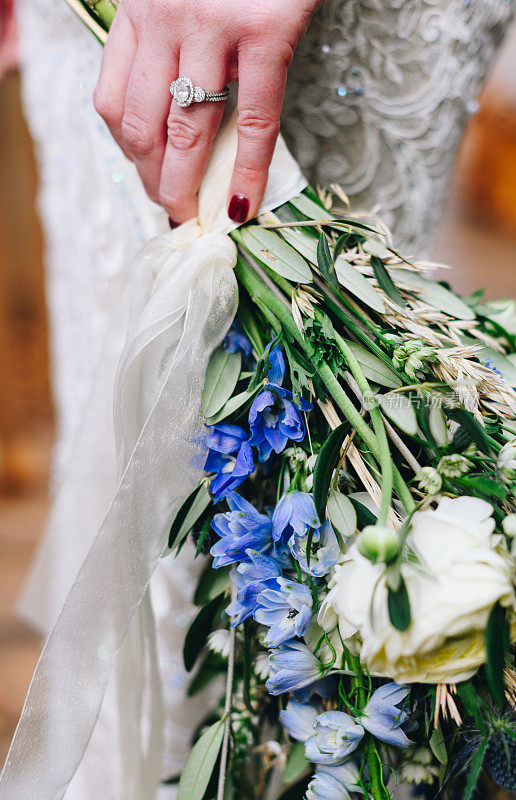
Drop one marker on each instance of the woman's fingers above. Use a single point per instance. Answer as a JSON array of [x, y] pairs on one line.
[[117, 62], [144, 124], [190, 133], [260, 98]]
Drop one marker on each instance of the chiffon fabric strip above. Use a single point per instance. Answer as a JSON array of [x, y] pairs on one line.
[[184, 300]]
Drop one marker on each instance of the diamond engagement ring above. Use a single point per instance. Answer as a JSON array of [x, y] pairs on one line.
[[185, 93]]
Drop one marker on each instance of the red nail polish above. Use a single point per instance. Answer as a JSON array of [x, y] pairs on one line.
[[238, 208], [172, 223]]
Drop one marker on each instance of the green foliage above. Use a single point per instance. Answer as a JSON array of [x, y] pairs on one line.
[[399, 606], [438, 745], [296, 764], [193, 507], [356, 284], [385, 281], [221, 378], [497, 647], [342, 513], [275, 253], [373, 368], [198, 631], [212, 666], [211, 584], [325, 261], [325, 465], [472, 428], [474, 770], [321, 335], [364, 515], [201, 762]]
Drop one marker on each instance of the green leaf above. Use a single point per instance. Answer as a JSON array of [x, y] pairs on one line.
[[375, 248], [325, 262], [475, 430], [438, 746], [474, 770], [233, 404], [296, 764], [478, 484], [309, 208], [212, 667], [364, 515], [279, 256], [198, 631], [434, 294], [212, 583], [472, 704], [437, 426], [354, 282], [206, 527], [385, 281], [374, 369], [195, 504], [342, 514], [399, 409], [221, 378], [302, 241], [324, 466], [399, 606], [497, 645], [340, 244], [201, 762]]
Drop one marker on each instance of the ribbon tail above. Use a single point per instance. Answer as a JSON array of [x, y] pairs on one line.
[[72, 674]]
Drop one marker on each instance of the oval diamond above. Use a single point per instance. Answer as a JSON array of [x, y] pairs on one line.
[[183, 92]]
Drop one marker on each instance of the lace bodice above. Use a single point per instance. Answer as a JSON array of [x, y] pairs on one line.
[[378, 95]]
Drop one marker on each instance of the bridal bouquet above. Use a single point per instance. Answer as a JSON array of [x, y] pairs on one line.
[[357, 521], [358, 517]]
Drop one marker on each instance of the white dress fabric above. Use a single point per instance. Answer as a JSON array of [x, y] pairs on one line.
[[389, 139]]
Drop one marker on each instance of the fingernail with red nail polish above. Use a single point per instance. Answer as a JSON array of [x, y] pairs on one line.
[[238, 208], [172, 223]]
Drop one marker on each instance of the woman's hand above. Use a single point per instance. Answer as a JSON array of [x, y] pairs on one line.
[[8, 37], [151, 43]]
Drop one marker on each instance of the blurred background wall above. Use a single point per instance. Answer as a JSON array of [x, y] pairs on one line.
[[477, 238]]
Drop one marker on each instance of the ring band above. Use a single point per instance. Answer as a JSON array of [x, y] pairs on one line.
[[185, 93]]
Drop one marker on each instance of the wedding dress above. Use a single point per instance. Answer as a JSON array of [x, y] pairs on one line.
[[378, 95]]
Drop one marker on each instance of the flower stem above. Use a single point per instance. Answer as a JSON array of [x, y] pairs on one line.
[[384, 454], [260, 294], [374, 764]]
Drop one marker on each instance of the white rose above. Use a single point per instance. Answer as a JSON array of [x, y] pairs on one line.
[[457, 579]]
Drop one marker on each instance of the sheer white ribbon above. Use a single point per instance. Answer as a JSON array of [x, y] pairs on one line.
[[185, 298]]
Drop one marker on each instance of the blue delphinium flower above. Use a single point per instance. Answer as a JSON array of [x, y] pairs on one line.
[[490, 364], [250, 578], [273, 417], [223, 439], [298, 719], [324, 550], [241, 528], [292, 666], [295, 515], [232, 473], [336, 735], [382, 717], [334, 783], [286, 609], [237, 340]]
